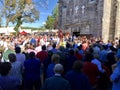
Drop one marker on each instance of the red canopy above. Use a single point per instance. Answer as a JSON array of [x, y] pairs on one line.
[[23, 33]]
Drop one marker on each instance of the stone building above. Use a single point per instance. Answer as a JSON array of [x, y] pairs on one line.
[[99, 18], [111, 20]]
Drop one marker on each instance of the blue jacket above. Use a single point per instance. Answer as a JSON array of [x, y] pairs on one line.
[[69, 62], [50, 71], [56, 83], [78, 80], [115, 77], [32, 69], [9, 83]]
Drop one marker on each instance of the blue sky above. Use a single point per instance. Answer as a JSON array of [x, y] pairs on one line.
[[44, 12]]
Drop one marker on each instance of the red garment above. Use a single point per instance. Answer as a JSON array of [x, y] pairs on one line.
[[104, 80], [42, 55], [91, 70], [79, 56], [38, 40], [107, 71], [60, 33]]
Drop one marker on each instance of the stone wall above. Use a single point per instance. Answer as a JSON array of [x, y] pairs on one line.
[[117, 29], [84, 16], [106, 19], [96, 17], [111, 20]]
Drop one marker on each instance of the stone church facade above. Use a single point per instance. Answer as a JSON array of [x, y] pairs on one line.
[[99, 18]]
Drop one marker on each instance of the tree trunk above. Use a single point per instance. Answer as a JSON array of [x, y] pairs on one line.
[[19, 22]]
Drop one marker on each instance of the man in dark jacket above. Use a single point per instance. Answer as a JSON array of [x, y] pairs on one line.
[[32, 73], [77, 79], [56, 82]]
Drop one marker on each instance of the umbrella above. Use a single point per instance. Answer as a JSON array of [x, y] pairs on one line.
[[23, 33]]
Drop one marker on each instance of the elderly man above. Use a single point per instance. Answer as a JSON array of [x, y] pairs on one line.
[[56, 82]]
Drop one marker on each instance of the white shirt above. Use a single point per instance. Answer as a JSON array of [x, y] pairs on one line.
[[38, 49]]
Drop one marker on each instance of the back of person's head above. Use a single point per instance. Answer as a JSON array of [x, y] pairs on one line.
[[113, 49], [54, 45], [50, 53], [94, 45], [58, 68], [61, 48], [55, 58], [91, 50], [67, 45], [31, 54], [76, 50], [80, 47], [89, 57], [77, 66], [17, 49], [96, 56], [12, 57], [116, 38], [71, 52], [105, 47], [43, 47], [5, 67]]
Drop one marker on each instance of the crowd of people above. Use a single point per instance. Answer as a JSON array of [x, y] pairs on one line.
[[54, 62]]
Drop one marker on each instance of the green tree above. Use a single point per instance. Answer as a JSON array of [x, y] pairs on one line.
[[52, 20], [55, 12], [55, 15], [42, 28], [19, 11]]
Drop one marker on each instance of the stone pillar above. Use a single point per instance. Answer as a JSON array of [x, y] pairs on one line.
[[106, 20], [100, 16], [117, 29]]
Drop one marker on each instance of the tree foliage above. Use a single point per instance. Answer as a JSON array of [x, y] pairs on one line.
[[55, 12], [51, 20], [19, 11]]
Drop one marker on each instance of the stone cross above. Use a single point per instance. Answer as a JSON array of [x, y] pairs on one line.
[[76, 9], [83, 9]]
